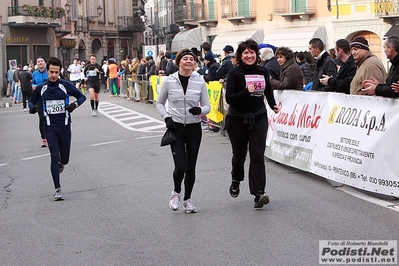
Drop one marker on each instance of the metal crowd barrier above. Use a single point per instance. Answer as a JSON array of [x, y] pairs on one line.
[[123, 86]]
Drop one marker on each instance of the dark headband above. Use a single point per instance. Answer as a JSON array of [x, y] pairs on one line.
[[187, 52]]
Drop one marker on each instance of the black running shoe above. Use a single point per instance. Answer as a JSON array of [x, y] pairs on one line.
[[260, 200], [235, 188], [61, 167]]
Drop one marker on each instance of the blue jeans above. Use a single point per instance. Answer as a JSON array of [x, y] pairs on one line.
[[18, 93], [12, 88]]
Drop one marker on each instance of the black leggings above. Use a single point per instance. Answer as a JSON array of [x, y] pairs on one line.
[[42, 120], [59, 143], [240, 136], [185, 153]]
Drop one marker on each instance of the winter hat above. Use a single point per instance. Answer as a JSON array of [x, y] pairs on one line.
[[233, 55], [228, 49], [209, 57], [25, 68], [360, 42]]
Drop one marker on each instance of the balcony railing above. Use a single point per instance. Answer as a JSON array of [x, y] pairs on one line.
[[133, 24], [239, 14], [185, 14], [386, 8], [206, 12], [236, 11], [65, 27], [288, 7], [33, 15]]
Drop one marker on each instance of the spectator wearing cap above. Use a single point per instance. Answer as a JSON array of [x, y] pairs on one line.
[[25, 80], [325, 65], [226, 66], [212, 67], [269, 62], [390, 88], [368, 65]]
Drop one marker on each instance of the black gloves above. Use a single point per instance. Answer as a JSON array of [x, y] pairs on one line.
[[33, 110], [195, 110], [70, 107], [169, 123]]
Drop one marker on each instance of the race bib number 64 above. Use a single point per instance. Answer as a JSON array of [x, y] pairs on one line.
[[259, 84]]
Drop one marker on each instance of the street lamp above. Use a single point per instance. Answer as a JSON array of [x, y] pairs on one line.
[[99, 11], [67, 7]]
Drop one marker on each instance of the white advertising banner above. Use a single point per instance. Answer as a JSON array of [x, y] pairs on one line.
[[346, 138]]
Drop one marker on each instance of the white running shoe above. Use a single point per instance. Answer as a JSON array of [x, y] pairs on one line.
[[174, 201], [58, 195], [189, 207], [95, 112]]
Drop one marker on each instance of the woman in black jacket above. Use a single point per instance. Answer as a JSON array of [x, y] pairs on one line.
[[246, 86]]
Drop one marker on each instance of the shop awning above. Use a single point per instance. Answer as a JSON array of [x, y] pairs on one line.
[[233, 38], [295, 38], [187, 39], [394, 30]]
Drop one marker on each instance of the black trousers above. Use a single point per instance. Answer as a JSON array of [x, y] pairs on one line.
[[42, 120], [185, 153], [243, 139], [25, 97], [59, 143]]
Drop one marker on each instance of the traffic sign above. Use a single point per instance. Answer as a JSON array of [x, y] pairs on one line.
[[150, 50]]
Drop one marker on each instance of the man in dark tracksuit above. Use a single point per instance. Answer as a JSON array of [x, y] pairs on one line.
[[54, 97]]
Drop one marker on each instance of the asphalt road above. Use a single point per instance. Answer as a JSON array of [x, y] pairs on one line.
[[117, 187]]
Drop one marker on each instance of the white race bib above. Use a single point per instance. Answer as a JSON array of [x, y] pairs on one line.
[[92, 73], [55, 107]]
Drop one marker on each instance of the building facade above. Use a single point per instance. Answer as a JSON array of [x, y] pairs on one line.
[[290, 23], [69, 29]]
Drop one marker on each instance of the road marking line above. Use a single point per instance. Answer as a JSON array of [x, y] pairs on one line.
[[153, 127], [360, 195], [106, 143], [149, 137], [129, 118], [113, 111], [34, 157], [140, 122], [3, 164]]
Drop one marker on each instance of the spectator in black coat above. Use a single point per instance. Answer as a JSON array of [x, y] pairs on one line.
[[213, 66], [269, 61], [226, 65], [325, 65], [342, 82], [305, 67], [25, 81], [391, 86]]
